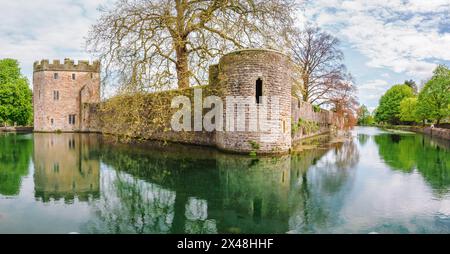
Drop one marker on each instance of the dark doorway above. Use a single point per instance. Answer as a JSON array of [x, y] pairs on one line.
[[259, 90]]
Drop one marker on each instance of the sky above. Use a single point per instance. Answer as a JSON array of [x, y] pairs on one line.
[[385, 42]]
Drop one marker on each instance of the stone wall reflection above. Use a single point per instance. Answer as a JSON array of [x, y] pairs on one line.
[[66, 167], [208, 192]]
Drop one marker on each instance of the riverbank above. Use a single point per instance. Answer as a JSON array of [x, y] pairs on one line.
[[434, 132], [21, 129]]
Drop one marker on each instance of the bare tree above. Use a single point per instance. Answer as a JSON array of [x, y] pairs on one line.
[[156, 43], [344, 102], [318, 62]]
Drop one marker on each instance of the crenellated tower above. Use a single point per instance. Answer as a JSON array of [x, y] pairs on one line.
[[62, 93]]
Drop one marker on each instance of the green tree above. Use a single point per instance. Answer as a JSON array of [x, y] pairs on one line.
[[434, 98], [408, 108], [411, 83], [15, 94], [364, 116], [389, 106]]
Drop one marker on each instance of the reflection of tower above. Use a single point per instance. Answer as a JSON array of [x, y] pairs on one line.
[[255, 193], [66, 167]]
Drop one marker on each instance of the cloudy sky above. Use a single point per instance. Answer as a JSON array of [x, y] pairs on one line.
[[385, 41]]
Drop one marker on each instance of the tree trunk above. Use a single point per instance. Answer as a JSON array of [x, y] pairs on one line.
[[182, 66], [305, 92]]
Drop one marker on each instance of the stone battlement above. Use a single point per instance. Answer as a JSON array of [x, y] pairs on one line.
[[68, 65]]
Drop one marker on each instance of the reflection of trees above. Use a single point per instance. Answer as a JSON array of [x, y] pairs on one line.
[[363, 138], [323, 189], [15, 154], [157, 191], [130, 205], [242, 193], [407, 152]]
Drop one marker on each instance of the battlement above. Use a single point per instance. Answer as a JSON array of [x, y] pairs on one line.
[[68, 65]]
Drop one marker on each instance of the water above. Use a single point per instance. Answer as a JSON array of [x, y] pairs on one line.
[[379, 181]]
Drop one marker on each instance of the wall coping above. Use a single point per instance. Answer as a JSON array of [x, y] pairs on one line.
[[255, 50], [67, 65]]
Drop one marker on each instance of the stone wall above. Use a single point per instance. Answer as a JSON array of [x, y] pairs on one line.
[[307, 122], [435, 132], [57, 97], [148, 117], [238, 75]]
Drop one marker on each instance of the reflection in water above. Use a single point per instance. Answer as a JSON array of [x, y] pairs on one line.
[[431, 157], [244, 194], [376, 181], [15, 152], [66, 166]]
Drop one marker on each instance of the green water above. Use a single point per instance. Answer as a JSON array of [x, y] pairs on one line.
[[378, 181]]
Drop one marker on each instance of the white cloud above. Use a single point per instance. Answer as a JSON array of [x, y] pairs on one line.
[[369, 92], [50, 29], [404, 36]]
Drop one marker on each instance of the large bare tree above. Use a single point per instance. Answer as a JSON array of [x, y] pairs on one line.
[[151, 44], [319, 67]]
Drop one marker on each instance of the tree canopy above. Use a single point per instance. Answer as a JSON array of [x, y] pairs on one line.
[[389, 106], [434, 99], [15, 94], [408, 109], [364, 116]]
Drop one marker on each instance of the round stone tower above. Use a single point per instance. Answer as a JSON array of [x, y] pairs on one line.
[[256, 87], [60, 92]]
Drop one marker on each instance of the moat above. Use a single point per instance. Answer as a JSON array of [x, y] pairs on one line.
[[377, 181]]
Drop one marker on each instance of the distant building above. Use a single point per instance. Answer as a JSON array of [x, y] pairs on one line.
[[63, 93]]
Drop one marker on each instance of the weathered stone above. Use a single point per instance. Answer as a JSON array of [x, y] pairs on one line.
[[61, 90]]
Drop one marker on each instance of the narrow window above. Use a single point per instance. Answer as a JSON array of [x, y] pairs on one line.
[[51, 121], [55, 95], [259, 90], [73, 76], [92, 75], [72, 119], [55, 75]]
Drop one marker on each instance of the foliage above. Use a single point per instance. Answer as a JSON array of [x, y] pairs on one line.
[[411, 83], [255, 147], [364, 116], [410, 152], [308, 127], [434, 98], [129, 116], [389, 106], [15, 94], [408, 108], [316, 108], [15, 154]]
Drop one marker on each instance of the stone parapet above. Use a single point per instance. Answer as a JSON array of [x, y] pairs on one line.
[[67, 65]]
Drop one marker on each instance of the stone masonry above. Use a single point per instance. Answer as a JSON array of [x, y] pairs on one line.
[[258, 76], [62, 92]]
